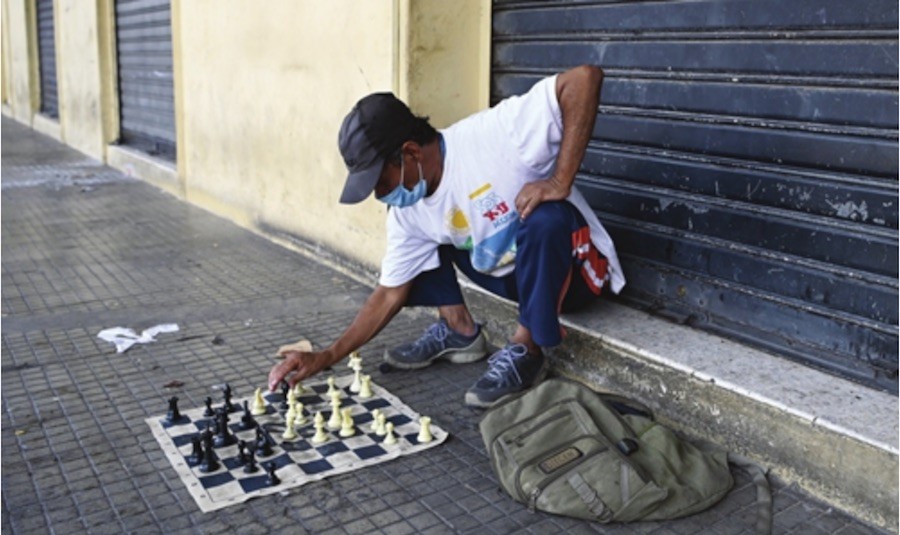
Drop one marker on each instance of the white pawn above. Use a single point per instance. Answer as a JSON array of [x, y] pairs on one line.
[[375, 413], [291, 413], [365, 391], [356, 385], [381, 421], [347, 429], [298, 389], [259, 404], [320, 436], [299, 417], [291, 398], [289, 433], [389, 438], [332, 390], [335, 421], [424, 430]]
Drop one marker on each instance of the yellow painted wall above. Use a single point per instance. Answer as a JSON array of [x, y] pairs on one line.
[[261, 90], [84, 104], [4, 53], [264, 92], [19, 20]]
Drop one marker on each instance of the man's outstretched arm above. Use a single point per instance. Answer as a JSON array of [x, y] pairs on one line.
[[381, 306], [578, 93]]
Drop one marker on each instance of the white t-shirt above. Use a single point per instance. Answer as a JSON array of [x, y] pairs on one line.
[[489, 157]]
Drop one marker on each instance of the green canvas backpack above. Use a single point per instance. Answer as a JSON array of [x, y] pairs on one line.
[[565, 449]]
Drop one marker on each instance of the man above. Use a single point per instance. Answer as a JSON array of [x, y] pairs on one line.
[[492, 194]]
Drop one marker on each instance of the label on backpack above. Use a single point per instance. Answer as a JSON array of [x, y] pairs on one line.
[[560, 460]]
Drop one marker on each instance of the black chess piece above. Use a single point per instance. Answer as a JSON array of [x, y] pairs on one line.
[[196, 450], [285, 388], [263, 446], [242, 452], [250, 465], [247, 420], [226, 395], [209, 410], [174, 416], [223, 437], [210, 461], [271, 478]]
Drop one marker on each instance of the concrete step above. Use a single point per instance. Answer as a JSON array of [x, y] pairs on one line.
[[834, 438]]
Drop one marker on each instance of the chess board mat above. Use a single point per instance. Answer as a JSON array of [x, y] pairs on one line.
[[298, 461]]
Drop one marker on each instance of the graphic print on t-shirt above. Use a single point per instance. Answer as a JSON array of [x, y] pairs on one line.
[[500, 216], [458, 228]]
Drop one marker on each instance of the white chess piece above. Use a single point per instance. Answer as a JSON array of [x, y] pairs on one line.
[[335, 421], [291, 413], [289, 433], [389, 438], [320, 436], [291, 398], [356, 385], [331, 388], [375, 413], [365, 390], [424, 430], [381, 422], [347, 429], [259, 404], [299, 417], [298, 389]]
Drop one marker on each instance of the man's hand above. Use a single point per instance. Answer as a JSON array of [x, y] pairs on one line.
[[303, 364], [534, 193]]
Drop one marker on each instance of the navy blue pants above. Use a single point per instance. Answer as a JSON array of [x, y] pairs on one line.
[[544, 263]]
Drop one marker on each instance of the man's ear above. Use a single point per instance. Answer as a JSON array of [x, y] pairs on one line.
[[412, 149]]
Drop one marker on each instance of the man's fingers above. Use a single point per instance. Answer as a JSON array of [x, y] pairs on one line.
[[279, 372]]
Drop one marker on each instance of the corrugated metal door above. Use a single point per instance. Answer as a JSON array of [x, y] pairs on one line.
[[47, 58], [146, 89], [744, 160]]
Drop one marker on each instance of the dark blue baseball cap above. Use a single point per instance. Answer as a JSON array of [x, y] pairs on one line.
[[376, 126]]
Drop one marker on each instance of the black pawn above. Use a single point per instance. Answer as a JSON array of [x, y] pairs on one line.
[[174, 416], [271, 478], [242, 452], [226, 394], [250, 465], [209, 410], [210, 461], [247, 420], [196, 450], [285, 388], [223, 434], [263, 447]]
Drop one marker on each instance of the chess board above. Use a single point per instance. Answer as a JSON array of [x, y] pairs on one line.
[[299, 461]]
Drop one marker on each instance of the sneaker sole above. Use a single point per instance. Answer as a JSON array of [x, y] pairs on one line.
[[474, 352], [472, 400]]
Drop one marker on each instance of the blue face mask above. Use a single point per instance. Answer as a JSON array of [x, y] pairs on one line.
[[401, 196]]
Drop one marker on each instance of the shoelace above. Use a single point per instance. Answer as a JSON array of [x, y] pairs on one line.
[[500, 364], [438, 331]]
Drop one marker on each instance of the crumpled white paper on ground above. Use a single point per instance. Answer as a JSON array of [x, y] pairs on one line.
[[124, 338]]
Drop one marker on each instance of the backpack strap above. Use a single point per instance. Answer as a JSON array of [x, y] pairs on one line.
[[763, 492], [590, 498], [626, 405]]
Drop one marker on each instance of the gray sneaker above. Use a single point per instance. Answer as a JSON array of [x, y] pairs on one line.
[[438, 342], [510, 370]]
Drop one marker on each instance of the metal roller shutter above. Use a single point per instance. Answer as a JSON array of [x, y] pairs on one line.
[[47, 58], [146, 89], [744, 160]]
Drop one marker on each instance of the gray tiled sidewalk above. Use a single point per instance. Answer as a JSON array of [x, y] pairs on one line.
[[85, 248]]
